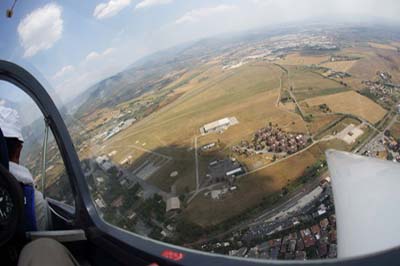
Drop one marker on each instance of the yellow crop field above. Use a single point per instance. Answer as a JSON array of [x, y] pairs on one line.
[[395, 130], [320, 122], [382, 46], [298, 59], [382, 60], [341, 66], [351, 103]]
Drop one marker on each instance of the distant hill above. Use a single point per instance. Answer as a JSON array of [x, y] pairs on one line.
[[147, 74], [26, 117]]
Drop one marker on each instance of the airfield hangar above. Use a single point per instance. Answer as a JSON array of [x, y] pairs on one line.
[[218, 125]]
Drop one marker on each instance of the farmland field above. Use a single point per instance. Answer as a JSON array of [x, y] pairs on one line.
[[307, 84], [351, 103], [341, 66], [373, 61], [320, 122], [298, 59], [382, 46], [395, 130]]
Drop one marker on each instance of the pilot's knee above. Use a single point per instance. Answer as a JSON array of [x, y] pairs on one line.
[[45, 251]]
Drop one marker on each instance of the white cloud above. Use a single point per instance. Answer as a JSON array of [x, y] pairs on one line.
[[69, 81], [92, 56], [108, 51], [150, 3], [263, 3], [200, 13], [63, 71], [110, 9], [95, 55], [40, 29]]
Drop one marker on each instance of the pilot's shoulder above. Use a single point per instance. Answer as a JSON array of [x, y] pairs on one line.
[[21, 173]]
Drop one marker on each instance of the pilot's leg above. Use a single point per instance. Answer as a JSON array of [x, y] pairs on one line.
[[46, 252]]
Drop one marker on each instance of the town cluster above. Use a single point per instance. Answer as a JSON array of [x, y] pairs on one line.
[[272, 140], [316, 241], [393, 147], [382, 90], [277, 48], [305, 231]]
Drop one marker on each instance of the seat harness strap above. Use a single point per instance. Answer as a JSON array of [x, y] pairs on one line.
[[29, 208]]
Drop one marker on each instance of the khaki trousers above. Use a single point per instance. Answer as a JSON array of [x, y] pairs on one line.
[[46, 252]]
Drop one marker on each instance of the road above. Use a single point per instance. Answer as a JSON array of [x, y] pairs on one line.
[[196, 160], [297, 104], [302, 114], [280, 92], [195, 193], [372, 140]]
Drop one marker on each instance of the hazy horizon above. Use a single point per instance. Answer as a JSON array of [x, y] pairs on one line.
[[74, 47]]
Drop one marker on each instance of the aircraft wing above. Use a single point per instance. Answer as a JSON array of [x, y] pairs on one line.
[[367, 201]]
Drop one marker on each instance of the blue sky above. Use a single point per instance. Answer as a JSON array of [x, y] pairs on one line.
[[70, 45]]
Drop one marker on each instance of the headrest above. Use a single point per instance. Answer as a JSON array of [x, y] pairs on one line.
[[10, 123], [4, 160]]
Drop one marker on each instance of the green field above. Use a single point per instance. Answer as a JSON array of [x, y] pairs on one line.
[[307, 84], [395, 130]]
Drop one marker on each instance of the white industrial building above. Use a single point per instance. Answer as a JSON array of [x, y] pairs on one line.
[[235, 172], [173, 204], [121, 126], [219, 125], [100, 203], [104, 163]]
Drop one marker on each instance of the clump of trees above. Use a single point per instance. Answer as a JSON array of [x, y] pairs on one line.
[[187, 231], [153, 208], [324, 108]]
